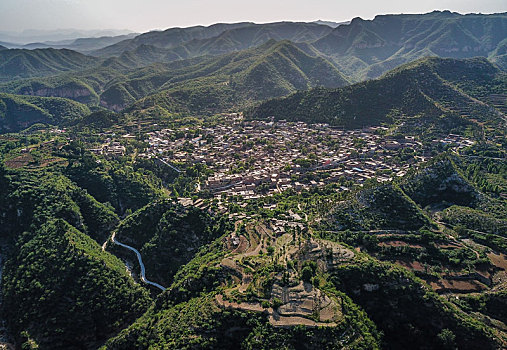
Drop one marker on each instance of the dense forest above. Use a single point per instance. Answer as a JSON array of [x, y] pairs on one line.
[[432, 88]]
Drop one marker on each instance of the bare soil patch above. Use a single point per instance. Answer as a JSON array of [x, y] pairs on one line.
[[458, 286], [448, 245], [242, 246], [411, 265], [399, 244], [19, 161], [499, 260]]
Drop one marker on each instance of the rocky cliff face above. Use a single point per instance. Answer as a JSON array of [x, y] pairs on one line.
[[112, 106], [464, 49], [66, 93], [80, 94]]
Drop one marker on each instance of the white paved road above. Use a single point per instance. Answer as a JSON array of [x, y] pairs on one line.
[[143, 270]]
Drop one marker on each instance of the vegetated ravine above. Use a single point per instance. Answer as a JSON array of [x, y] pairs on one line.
[[141, 264]]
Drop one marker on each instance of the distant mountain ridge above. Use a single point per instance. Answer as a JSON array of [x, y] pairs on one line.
[[179, 66], [270, 70], [38, 35], [369, 48], [218, 38], [20, 63], [82, 45], [362, 49], [168, 38], [239, 79], [331, 23]]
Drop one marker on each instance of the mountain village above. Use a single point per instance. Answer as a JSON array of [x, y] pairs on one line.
[[256, 158]]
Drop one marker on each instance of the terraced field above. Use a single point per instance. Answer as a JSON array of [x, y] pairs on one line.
[[289, 301]]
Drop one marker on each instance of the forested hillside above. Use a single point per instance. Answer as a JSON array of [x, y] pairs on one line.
[[19, 112], [188, 228], [62, 292], [231, 61], [279, 67], [440, 90], [182, 43], [233, 81], [19, 64]]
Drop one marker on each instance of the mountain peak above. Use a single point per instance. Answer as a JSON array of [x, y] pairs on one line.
[[445, 13], [356, 20]]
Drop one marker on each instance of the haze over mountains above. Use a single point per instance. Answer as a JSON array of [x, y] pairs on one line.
[[311, 54], [57, 36], [369, 48]]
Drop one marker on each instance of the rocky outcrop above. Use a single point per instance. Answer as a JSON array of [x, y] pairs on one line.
[[112, 106], [65, 93], [305, 301], [78, 93]]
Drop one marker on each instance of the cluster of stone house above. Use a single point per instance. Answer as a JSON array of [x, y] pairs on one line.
[[254, 158], [110, 149]]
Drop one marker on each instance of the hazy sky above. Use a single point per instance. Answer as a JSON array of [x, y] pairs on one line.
[[144, 15]]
